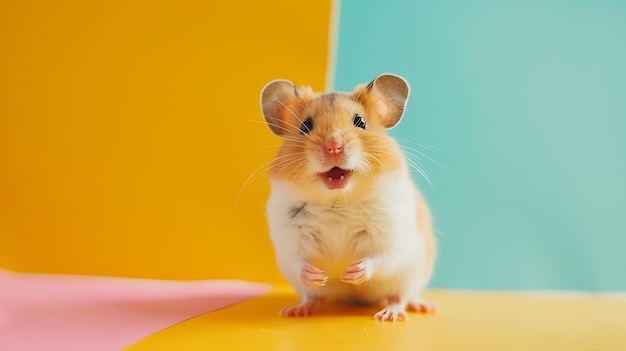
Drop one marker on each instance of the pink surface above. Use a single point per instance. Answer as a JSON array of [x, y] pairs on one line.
[[63, 312]]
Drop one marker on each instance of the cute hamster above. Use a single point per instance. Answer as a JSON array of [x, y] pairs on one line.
[[346, 220]]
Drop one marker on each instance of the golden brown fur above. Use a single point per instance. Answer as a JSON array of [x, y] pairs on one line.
[[375, 197]]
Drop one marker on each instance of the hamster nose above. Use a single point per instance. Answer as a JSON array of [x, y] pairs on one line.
[[334, 147]]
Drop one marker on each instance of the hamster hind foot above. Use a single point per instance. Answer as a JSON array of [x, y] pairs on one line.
[[305, 308], [422, 306], [395, 311]]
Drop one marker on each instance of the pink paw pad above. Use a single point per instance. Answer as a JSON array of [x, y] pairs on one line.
[[358, 272], [312, 276], [392, 313]]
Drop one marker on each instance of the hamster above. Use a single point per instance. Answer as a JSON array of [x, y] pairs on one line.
[[346, 220]]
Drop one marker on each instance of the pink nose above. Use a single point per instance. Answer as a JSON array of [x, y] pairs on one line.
[[334, 148]]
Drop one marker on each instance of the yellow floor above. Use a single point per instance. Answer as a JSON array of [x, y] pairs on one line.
[[465, 321]]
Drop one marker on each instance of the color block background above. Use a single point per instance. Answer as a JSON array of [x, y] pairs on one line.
[[524, 105], [128, 129]]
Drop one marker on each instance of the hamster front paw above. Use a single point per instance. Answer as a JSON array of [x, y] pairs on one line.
[[312, 276], [358, 272]]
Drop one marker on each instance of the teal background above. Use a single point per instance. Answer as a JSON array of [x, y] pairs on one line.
[[523, 106]]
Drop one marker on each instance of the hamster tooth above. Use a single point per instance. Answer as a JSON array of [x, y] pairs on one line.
[[341, 177]]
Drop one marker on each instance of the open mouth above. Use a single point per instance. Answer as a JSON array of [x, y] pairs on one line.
[[336, 178]]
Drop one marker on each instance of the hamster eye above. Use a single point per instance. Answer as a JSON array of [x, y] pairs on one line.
[[306, 126], [359, 121]]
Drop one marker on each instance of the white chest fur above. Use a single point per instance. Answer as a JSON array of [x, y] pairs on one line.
[[330, 235]]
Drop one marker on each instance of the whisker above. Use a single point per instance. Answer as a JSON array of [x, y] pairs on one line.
[[413, 164], [295, 139], [421, 171], [260, 170], [369, 165], [287, 108], [414, 141], [256, 151], [285, 122], [290, 111], [407, 148], [253, 177], [345, 199], [275, 125]]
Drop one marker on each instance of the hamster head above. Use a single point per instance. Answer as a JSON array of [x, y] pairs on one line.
[[335, 142]]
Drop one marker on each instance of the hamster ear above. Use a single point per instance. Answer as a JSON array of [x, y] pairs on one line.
[[393, 91], [274, 98]]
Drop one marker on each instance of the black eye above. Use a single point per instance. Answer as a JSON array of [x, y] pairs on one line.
[[359, 121], [306, 126]]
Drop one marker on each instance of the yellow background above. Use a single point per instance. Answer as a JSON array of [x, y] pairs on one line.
[[127, 129]]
